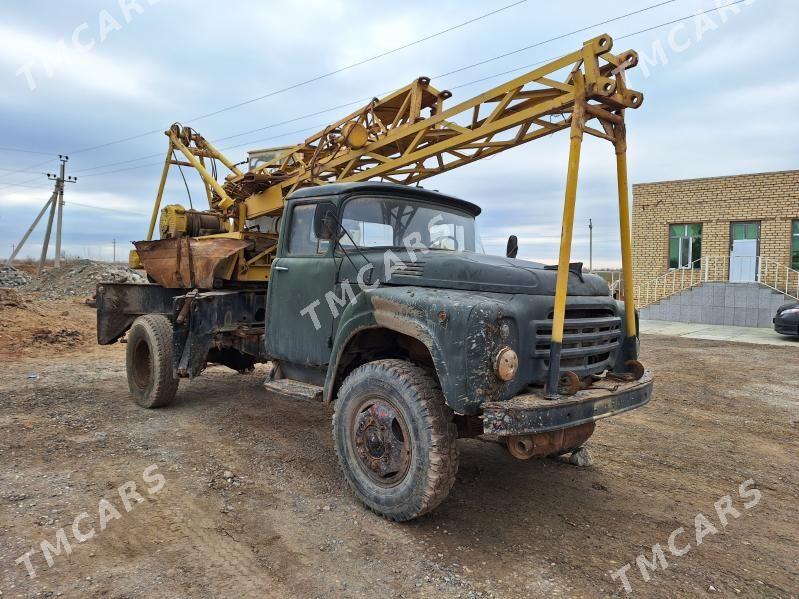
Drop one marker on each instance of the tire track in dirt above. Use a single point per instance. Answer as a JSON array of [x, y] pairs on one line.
[[175, 522]]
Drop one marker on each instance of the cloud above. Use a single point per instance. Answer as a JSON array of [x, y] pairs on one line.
[[724, 106], [41, 62]]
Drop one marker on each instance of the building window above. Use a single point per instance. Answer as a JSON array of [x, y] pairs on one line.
[[685, 245], [744, 231], [795, 245]]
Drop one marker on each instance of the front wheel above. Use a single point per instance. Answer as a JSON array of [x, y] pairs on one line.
[[395, 439], [149, 361]]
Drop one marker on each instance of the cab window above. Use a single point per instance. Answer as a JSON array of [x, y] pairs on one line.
[[391, 221], [302, 240]]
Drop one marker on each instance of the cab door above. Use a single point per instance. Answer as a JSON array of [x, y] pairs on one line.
[[298, 318]]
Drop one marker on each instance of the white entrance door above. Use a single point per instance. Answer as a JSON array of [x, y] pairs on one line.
[[743, 260]]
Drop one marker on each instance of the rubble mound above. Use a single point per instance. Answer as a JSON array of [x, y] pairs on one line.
[[11, 277], [80, 278], [64, 336], [11, 298]]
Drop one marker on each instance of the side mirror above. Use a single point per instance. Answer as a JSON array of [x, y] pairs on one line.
[[325, 221], [513, 247]]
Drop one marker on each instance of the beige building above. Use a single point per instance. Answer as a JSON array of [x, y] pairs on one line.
[[732, 227]]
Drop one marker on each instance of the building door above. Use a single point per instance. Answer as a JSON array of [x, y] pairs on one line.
[[743, 253]]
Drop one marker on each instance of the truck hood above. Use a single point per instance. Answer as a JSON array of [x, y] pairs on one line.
[[481, 272]]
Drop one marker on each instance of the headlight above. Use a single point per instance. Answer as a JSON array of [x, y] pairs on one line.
[[506, 364]]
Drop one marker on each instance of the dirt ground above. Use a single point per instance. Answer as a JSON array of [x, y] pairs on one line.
[[252, 502]]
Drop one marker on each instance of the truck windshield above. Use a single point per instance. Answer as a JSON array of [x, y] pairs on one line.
[[400, 222]]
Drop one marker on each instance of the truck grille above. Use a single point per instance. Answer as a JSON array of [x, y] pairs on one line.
[[590, 335]]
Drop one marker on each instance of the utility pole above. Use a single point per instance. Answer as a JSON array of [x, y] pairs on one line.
[[46, 242], [590, 245], [56, 201], [114, 242], [60, 180], [32, 227]]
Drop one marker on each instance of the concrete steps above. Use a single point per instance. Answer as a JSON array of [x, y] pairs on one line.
[[732, 304]]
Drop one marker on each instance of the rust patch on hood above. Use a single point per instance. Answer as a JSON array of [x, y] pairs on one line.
[[186, 262]]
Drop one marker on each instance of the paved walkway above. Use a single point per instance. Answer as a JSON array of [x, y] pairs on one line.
[[717, 332]]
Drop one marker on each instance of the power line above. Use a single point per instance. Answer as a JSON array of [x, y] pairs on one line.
[[104, 209], [18, 170], [363, 100], [696, 14], [312, 79], [241, 134], [27, 169], [161, 163], [23, 151], [556, 38], [25, 184], [294, 119]]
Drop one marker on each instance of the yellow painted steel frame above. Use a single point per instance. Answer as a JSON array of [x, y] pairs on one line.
[[408, 136], [405, 146], [196, 149], [614, 131]]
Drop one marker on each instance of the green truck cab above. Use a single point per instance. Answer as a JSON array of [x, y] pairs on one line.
[[381, 302]]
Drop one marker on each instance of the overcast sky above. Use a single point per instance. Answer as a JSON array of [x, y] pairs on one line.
[[720, 89]]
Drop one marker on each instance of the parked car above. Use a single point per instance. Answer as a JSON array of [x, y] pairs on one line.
[[786, 321]]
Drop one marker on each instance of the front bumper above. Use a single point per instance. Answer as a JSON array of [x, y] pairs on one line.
[[530, 413], [785, 325]]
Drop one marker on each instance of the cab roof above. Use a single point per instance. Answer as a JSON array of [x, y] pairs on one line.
[[385, 188]]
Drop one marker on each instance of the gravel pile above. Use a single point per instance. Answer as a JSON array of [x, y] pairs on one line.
[[10, 298], [80, 278], [65, 336], [11, 277]]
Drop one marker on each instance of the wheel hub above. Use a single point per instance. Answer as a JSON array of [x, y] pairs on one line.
[[382, 442], [374, 443]]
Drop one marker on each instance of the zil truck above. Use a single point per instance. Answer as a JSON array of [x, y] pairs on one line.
[[377, 297]]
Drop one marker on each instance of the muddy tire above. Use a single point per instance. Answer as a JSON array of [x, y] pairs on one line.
[[149, 361], [395, 439]]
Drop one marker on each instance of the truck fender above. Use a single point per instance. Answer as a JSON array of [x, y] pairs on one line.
[[373, 313]]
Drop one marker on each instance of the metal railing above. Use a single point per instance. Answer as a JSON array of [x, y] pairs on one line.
[[767, 271], [613, 277], [778, 276]]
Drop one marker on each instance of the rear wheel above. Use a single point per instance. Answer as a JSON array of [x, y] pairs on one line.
[[395, 439], [149, 361]]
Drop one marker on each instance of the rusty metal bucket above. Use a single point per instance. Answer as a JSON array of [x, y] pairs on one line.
[[187, 262]]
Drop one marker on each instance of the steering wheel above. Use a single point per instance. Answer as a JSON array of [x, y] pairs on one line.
[[436, 245]]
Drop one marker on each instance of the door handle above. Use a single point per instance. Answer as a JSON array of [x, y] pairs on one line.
[[280, 268]]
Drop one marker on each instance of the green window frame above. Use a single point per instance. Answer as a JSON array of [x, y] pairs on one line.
[[685, 245], [744, 230], [795, 244]]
